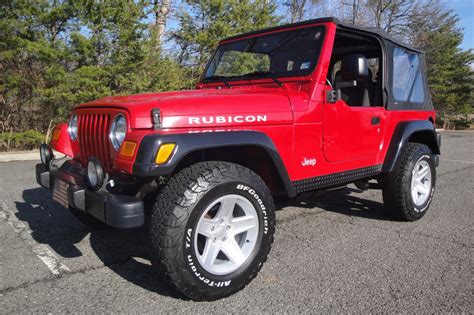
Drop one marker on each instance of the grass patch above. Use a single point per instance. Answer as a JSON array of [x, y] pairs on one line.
[[16, 141]]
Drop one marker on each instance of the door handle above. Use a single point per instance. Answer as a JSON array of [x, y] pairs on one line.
[[375, 120]]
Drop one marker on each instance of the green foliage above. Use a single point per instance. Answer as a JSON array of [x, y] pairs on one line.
[[455, 122], [462, 122], [26, 140], [450, 76], [204, 23], [235, 63], [56, 54]]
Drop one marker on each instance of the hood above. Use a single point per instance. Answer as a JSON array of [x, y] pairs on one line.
[[204, 107]]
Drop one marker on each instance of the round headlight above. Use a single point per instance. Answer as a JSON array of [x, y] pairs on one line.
[[118, 131], [73, 127]]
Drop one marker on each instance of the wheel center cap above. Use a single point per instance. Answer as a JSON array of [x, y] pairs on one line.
[[220, 231]]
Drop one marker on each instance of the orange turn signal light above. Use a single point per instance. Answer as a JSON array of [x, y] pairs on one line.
[[128, 148], [164, 153], [56, 134]]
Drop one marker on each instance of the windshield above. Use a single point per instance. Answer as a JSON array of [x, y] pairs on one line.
[[281, 54]]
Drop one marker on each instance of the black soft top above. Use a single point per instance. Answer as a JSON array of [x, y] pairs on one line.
[[391, 44], [371, 30]]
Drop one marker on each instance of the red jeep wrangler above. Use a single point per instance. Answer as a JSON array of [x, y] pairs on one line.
[[281, 111]]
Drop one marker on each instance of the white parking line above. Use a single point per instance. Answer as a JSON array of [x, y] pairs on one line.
[[459, 161], [42, 251]]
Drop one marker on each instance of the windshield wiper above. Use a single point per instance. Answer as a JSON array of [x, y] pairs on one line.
[[267, 74], [219, 78]]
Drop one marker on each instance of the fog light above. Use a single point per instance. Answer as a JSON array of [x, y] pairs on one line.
[[95, 174], [46, 155]]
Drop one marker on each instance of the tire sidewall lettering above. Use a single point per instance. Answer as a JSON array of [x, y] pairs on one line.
[[263, 209], [222, 281]]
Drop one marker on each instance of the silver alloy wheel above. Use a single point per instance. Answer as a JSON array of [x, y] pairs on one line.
[[226, 234], [421, 183]]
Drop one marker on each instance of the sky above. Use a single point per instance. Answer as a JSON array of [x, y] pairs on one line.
[[465, 10]]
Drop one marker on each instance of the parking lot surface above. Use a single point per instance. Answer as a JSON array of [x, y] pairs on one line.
[[333, 251]]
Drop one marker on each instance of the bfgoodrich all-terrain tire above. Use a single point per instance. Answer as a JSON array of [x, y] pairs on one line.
[[408, 191], [211, 229]]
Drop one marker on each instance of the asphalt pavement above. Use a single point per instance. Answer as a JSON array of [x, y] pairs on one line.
[[333, 251]]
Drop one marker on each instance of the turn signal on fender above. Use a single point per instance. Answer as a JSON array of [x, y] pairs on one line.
[[128, 148], [164, 153], [56, 134]]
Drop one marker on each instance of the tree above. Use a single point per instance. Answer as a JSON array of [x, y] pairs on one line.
[[429, 26], [450, 75], [391, 15], [298, 8], [31, 54], [161, 10], [204, 23], [349, 11], [55, 54]]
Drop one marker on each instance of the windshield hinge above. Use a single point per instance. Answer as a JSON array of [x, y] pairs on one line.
[[156, 118]]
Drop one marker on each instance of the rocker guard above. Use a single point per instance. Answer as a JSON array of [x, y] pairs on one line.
[[401, 136], [145, 165]]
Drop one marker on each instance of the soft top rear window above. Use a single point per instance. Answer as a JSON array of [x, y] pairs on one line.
[[408, 85], [281, 54]]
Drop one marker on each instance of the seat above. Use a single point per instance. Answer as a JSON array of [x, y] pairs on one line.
[[353, 95]]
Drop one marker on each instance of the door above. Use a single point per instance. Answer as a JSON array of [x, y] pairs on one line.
[[352, 132], [354, 124]]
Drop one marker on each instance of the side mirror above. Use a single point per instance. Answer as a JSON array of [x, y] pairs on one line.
[[332, 96], [354, 67]]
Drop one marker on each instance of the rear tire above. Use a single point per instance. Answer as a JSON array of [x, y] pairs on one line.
[[202, 210], [408, 191]]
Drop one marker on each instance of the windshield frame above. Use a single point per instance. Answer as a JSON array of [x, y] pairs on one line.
[[287, 77]]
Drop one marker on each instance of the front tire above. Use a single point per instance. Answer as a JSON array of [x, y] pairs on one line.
[[211, 229], [408, 191]]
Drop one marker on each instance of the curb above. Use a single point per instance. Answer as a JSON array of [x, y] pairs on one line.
[[32, 155], [20, 156]]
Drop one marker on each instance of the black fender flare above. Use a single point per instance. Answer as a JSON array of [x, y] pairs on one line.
[[187, 143], [422, 131]]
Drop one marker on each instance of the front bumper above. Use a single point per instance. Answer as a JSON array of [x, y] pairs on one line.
[[69, 189]]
